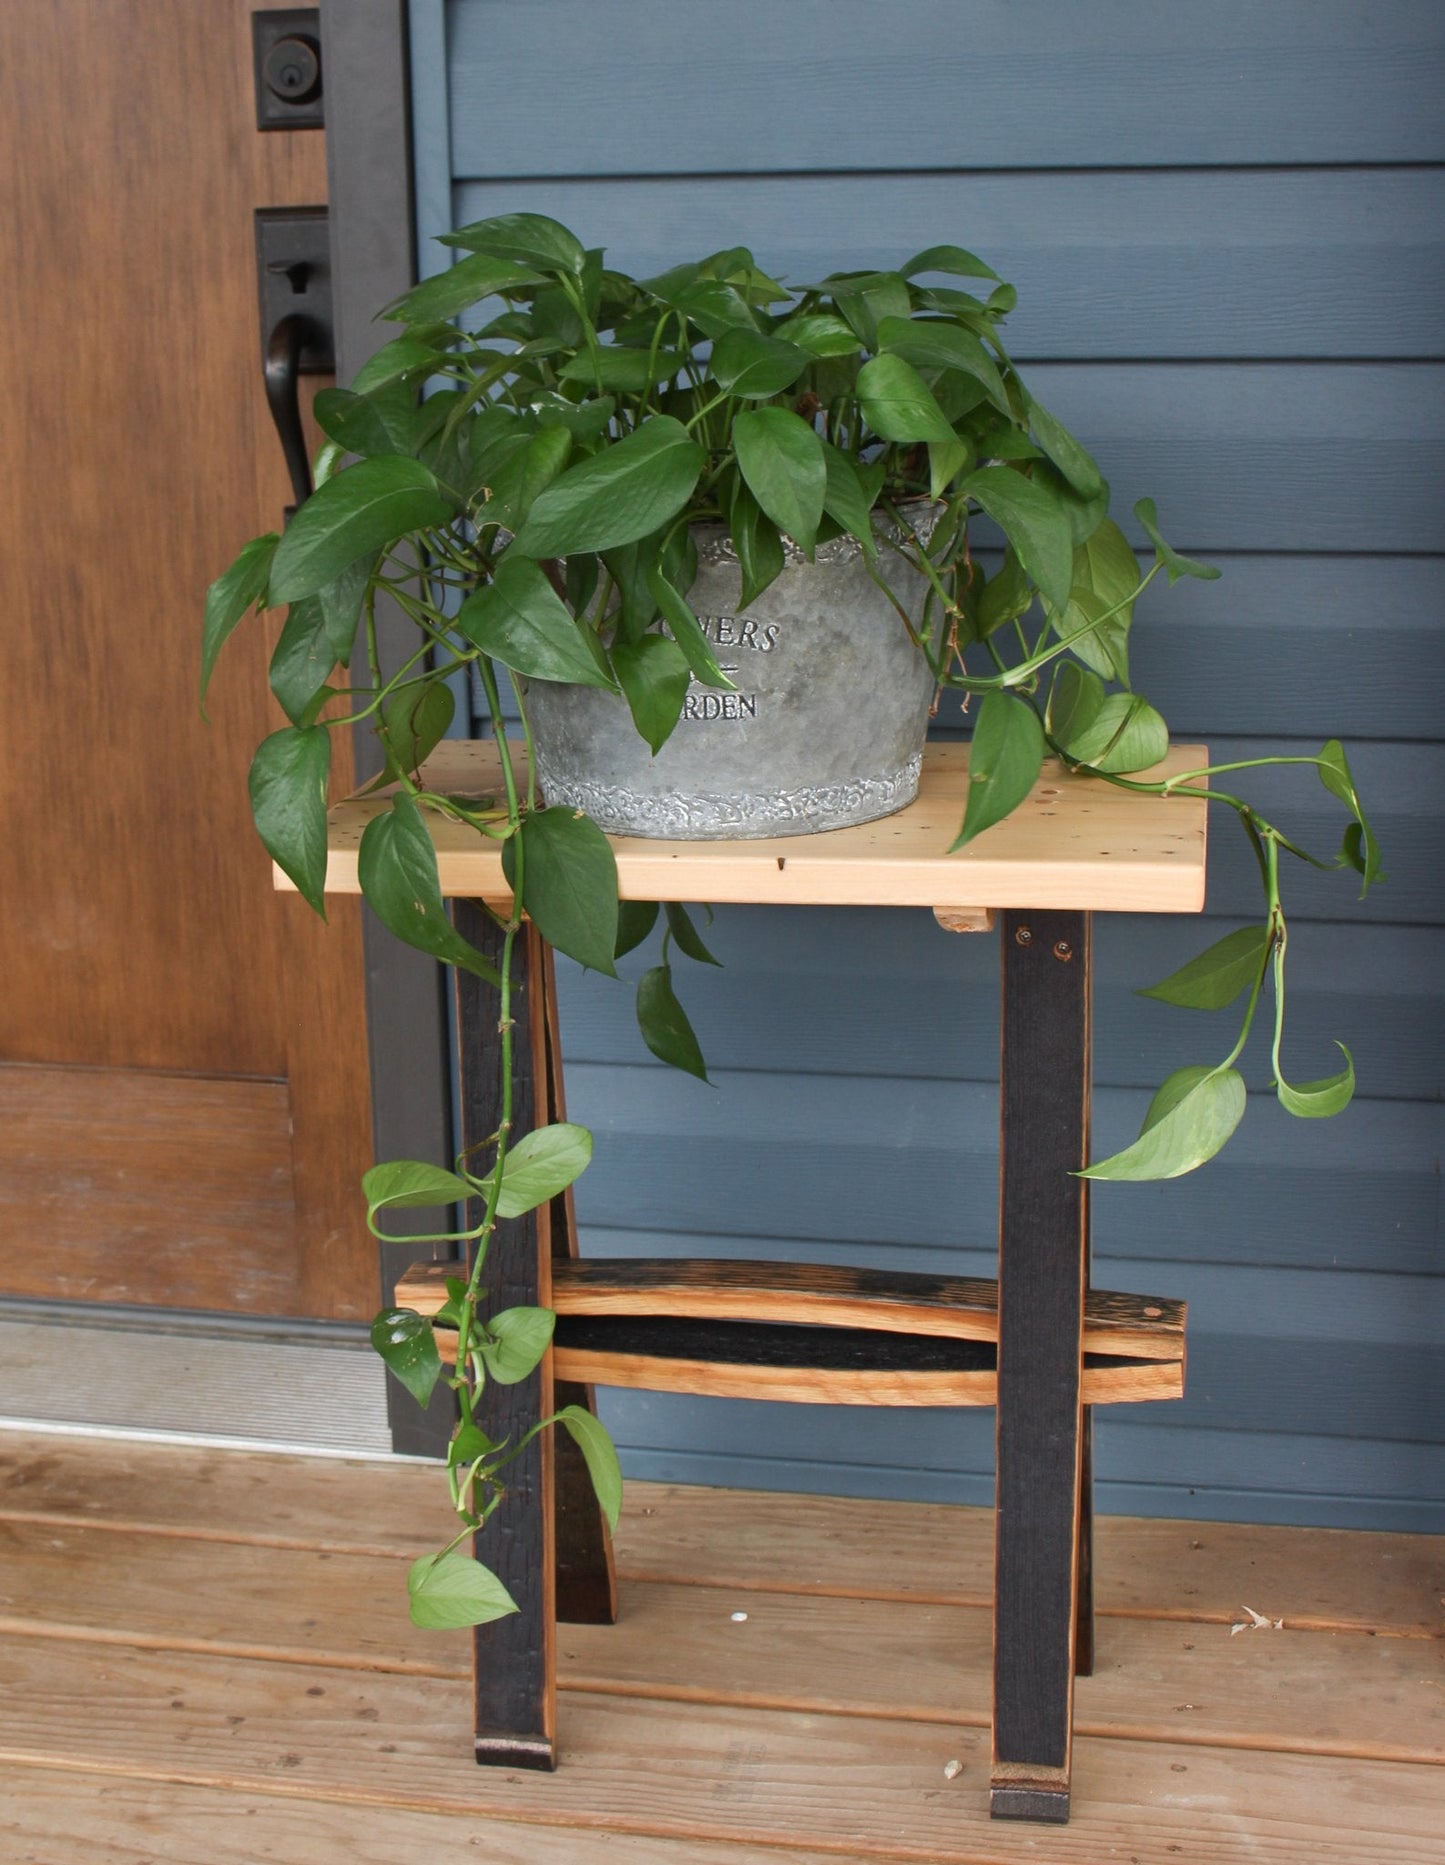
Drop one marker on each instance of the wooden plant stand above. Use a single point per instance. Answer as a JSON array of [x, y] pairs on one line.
[[1040, 1344]]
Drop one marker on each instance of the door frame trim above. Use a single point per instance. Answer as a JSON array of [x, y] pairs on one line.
[[373, 258]]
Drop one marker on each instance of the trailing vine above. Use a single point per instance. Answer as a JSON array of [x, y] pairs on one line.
[[531, 517]]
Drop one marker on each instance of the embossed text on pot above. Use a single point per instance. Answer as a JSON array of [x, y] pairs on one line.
[[825, 729]]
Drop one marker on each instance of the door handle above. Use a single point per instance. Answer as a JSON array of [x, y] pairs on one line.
[[293, 264], [283, 378]]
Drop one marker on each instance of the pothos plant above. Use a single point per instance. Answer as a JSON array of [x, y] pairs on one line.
[[530, 517]]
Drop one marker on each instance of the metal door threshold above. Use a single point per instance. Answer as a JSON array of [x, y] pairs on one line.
[[219, 1380]]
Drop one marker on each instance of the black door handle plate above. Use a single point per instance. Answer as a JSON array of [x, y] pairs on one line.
[[293, 264]]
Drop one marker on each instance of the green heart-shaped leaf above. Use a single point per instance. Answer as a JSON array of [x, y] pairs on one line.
[[753, 366], [288, 804], [465, 283], [686, 936], [846, 501], [758, 543], [951, 259], [1073, 460], [1034, 521], [355, 422], [1004, 760], [569, 884], [1190, 1118], [365, 508], [937, 345], [449, 1591], [590, 1436], [635, 920], [896, 402], [542, 1164], [654, 675], [407, 1344], [231, 595], [302, 661], [625, 371], [520, 477], [397, 868], [624, 493], [1318, 1100], [664, 1024], [411, 1184], [1125, 734], [414, 720], [515, 1342], [520, 620], [781, 458], [530, 239], [686, 631], [1218, 975], [1175, 566]]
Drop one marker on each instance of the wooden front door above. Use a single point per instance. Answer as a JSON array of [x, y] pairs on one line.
[[183, 1085]]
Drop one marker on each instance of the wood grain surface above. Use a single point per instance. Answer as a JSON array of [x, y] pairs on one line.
[[1146, 1327], [781, 1697], [909, 1660], [1385, 1585], [1073, 843], [515, 1695], [713, 1772], [139, 458], [130, 1181], [81, 1820]]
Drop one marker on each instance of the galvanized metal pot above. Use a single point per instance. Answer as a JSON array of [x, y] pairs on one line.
[[825, 729]]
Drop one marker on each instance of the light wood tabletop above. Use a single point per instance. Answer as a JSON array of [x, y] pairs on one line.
[[1075, 843]]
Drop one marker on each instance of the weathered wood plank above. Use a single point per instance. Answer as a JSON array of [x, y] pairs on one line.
[[75, 1142], [515, 1681], [54, 1818], [586, 1566], [835, 1366], [1043, 1514], [915, 1660], [347, 1503], [1204, 1571], [716, 1773], [1157, 1569], [821, 1295]]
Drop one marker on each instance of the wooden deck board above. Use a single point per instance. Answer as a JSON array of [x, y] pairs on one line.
[[715, 1773], [1386, 1584], [110, 1820], [205, 1655], [911, 1660]]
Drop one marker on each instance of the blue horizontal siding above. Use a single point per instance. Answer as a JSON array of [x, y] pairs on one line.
[[1297, 264], [1371, 631], [1247, 1476], [1228, 243], [797, 991], [570, 87], [892, 1161]]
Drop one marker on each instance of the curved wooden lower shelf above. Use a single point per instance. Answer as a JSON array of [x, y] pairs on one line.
[[1143, 1327], [816, 1334], [818, 1365]]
